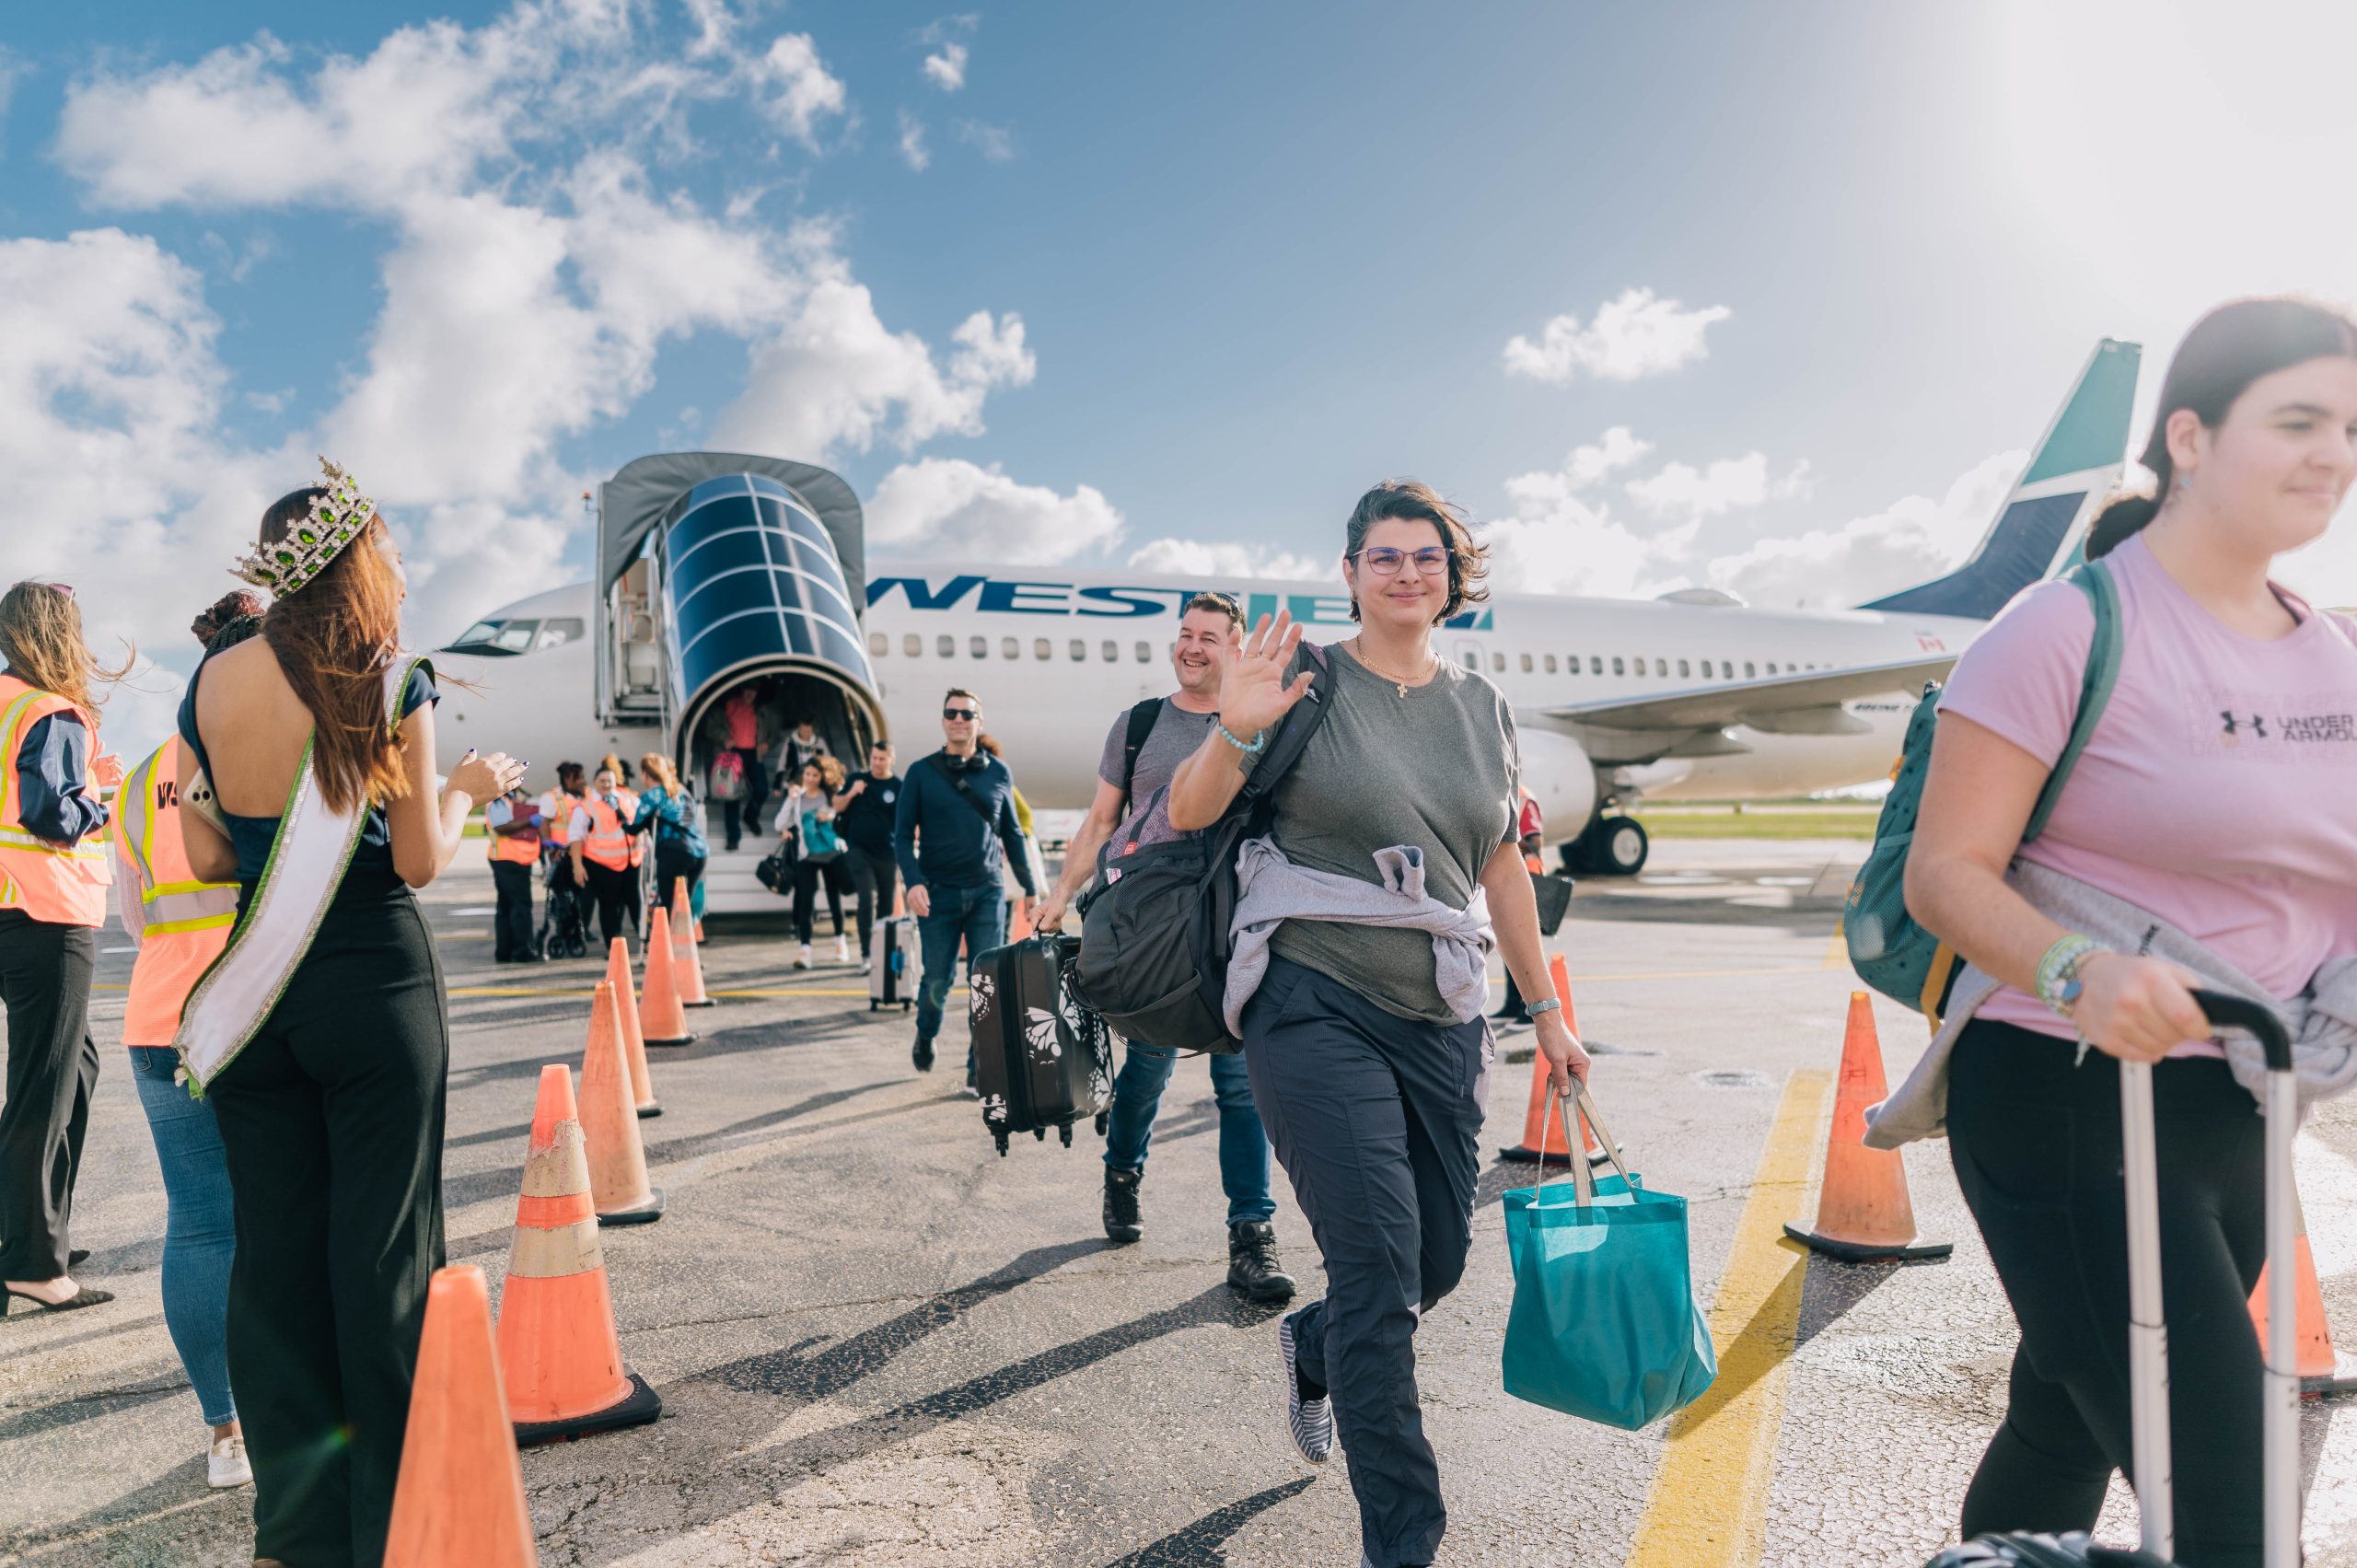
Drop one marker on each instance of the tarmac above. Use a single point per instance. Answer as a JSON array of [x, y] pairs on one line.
[[878, 1342]]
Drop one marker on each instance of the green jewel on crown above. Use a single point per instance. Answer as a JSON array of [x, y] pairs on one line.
[[335, 520]]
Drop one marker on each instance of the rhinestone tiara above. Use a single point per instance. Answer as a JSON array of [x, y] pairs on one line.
[[335, 520]]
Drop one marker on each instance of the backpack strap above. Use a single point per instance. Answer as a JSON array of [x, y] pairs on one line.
[[2103, 652], [1143, 719]]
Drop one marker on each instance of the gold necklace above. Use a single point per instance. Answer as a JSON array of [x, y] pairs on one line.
[[1358, 649]]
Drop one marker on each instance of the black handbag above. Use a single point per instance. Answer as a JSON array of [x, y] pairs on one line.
[[776, 870]]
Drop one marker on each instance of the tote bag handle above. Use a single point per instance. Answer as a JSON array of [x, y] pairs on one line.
[[1583, 1179]]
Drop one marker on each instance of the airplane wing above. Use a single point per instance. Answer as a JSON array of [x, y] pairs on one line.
[[1687, 724]]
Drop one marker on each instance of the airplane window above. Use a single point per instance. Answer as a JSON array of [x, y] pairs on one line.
[[1146, 653], [1472, 659], [1009, 647], [559, 631], [1661, 667], [516, 636], [1596, 664], [1525, 664], [1498, 664], [1042, 649], [912, 645], [1619, 667], [877, 644], [1550, 664], [980, 647], [1113, 651], [1771, 666], [481, 631], [946, 646], [1749, 673], [1079, 650], [1681, 669]]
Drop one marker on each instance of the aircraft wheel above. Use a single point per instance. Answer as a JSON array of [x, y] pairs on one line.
[[1621, 845]]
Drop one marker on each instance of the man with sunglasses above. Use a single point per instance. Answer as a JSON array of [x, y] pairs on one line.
[[953, 833]]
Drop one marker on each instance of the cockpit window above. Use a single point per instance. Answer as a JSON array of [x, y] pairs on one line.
[[502, 638], [558, 631]]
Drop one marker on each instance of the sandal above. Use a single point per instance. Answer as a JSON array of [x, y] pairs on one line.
[[85, 1297]]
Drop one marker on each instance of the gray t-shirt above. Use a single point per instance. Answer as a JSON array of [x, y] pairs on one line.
[[1438, 769], [1177, 736]]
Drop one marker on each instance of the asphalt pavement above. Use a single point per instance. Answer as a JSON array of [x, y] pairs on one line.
[[878, 1342]]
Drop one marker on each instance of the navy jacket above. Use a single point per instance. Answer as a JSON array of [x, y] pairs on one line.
[[53, 774], [938, 838]]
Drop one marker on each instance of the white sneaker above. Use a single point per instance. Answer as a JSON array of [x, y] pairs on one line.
[[842, 951], [225, 1464], [803, 962], [867, 966]]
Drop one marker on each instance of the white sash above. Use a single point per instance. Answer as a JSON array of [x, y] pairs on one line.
[[308, 860]]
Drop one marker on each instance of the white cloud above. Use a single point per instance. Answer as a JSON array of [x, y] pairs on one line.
[[1722, 486], [947, 506], [1911, 542], [945, 67], [1229, 562], [1562, 539], [800, 88], [913, 150], [716, 25], [1634, 335], [994, 143]]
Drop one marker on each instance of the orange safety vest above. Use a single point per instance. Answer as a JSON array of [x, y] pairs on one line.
[[59, 884], [606, 843], [556, 810], [517, 849], [629, 799], [187, 921]]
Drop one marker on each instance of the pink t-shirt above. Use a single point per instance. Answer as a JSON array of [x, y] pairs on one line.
[[2219, 790], [744, 721]]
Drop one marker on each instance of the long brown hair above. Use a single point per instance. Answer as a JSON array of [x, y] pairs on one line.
[[40, 636], [335, 637]]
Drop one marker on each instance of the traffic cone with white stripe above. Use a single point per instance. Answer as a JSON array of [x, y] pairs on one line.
[[558, 1351], [642, 1082], [610, 1123], [687, 964]]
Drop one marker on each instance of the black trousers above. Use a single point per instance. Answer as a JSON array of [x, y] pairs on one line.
[[674, 864], [808, 880], [511, 928], [732, 818], [616, 891], [45, 972], [2036, 1141], [331, 1119], [757, 787], [1377, 1121], [876, 878]]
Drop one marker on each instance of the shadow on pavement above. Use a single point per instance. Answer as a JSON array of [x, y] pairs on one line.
[[1202, 1544], [180, 1491]]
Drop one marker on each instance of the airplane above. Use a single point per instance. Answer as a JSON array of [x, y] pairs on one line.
[[722, 569]]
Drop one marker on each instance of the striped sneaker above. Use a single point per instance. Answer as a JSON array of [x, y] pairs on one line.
[[1311, 1422]]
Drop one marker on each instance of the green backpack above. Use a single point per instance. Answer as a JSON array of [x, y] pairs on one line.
[[1890, 951]]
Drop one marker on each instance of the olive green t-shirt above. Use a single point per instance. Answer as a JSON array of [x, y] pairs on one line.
[[1437, 769]]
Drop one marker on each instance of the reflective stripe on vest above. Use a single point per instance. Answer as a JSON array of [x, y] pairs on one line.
[[556, 809], [629, 814], [58, 884], [514, 849], [606, 843], [187, 921]]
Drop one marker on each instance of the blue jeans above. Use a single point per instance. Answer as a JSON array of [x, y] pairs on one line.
[[1243, 1143], [975, 916], [200, 1235]]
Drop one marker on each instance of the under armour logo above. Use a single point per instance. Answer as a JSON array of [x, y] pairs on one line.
[[2258, 725]]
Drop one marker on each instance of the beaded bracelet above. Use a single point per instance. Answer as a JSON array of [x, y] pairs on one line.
[[1259, 742], [2058, 972]]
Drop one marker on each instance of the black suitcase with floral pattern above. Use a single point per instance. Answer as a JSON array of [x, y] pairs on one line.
[[1040, 1059]]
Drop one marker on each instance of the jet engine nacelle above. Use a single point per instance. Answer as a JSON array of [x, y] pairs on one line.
[[1557, 772]]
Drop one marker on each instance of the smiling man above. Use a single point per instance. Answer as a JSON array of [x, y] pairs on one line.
[[1144, 748]]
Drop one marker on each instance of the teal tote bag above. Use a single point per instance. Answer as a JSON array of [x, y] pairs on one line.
[[1605, 1325]]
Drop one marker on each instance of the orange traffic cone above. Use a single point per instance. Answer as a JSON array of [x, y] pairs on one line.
[[1543, 1135], [661, 1013], [2321, 1371], [460, 1496], [1862, 1212], [609, 1123], [686, 965], [641, 1083], [557, 1345]]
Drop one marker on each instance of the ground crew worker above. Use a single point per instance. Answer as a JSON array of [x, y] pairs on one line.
[[54, 882], [515, 852], [1130, 776], [598, 839], [181, 923], [626, 804]]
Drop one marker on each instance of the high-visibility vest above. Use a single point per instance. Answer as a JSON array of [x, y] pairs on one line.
[[629, 799], [556, 810], [515, 849], [606, 843], [187, 921], [59, 884]]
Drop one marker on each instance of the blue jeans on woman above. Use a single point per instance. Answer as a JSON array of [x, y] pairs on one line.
[[1243, 1142], [200, 1233]]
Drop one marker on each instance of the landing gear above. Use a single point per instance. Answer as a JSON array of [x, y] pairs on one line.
[[1612, 846]]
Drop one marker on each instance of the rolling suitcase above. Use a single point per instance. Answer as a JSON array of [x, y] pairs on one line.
[[1040, 1059], [899, 964], [2148, 1349]]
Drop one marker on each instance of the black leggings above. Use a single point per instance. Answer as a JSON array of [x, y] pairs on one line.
[[808, 880], [45, 972], [616, 891], [2035, 1143]]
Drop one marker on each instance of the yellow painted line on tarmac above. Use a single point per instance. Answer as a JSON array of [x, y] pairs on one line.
[[1709, 1504], [1836, 951]]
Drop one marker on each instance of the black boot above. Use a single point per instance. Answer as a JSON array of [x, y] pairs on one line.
[[1252, 1267], [1121, 1204], [921, 1054]]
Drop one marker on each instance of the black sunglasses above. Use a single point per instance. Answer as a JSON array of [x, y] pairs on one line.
[[961, 713]]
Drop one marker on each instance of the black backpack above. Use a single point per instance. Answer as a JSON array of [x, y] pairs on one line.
[[1155, 943]]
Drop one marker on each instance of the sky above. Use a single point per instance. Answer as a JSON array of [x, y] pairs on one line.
[[1770, 299]]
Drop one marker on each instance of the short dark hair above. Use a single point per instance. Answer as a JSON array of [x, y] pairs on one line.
[[961, 691], [568, 771], [1469, 562], [1218, 604], [879, 746]]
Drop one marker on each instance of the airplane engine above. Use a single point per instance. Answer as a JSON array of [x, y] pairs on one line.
[[1557, 772]]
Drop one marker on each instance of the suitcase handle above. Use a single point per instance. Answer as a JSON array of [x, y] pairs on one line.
[[2256, 1018]]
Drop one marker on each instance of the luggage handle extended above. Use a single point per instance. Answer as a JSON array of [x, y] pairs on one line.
[[2147, 1331]]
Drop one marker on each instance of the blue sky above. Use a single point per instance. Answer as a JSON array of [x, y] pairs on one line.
[[1170, 286]]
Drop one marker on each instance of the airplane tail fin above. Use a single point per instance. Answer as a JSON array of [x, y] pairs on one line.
[[2039, 530]]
